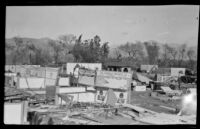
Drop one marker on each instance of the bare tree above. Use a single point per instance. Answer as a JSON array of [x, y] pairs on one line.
[[118, 54], [181, 52], [153, 51], [170, 55], [191, 56], [133, 49]]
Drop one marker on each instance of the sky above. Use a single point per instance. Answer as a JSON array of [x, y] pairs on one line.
[[175, 24]]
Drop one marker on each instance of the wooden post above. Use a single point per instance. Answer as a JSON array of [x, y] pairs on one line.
[[56, 96], [25, 111], [95, 78], [12, 81], [18, 83], [129, 90]]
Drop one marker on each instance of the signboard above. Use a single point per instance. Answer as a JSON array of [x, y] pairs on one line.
[[93, 66], [107, 79], [114, 80]]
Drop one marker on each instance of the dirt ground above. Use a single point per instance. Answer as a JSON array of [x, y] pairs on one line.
[[144, 99]]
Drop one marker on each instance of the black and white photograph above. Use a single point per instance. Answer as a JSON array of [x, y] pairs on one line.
[[101, 65]]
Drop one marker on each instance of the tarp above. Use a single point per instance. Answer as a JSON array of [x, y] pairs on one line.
[[143, 78], [111, 98]]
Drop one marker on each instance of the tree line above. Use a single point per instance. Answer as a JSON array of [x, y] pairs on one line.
[[69, 48], [180, 56]]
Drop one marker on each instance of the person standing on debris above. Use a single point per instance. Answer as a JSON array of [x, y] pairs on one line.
[[101, 97], [121, 99], [134, 83], [179, 79]]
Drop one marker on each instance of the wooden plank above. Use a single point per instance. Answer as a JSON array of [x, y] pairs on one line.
[[125, 115], [139, 109], [91, 119], [170, 108]]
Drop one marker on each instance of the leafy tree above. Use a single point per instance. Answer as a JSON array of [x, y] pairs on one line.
[[90, 50], [42, 57], [57, 48], [67, 42], [76, 51]]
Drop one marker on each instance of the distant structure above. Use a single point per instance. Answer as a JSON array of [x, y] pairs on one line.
[[119, 66], [148, 68]]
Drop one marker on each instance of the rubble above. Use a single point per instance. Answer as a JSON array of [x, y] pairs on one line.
[[102, 100]]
